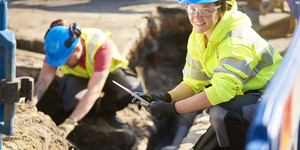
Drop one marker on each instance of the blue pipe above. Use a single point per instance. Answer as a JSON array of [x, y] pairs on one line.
[[7, 68], [3, 22]]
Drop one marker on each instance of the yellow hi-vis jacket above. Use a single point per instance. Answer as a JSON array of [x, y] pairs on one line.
[[93, 40], [235, 60]]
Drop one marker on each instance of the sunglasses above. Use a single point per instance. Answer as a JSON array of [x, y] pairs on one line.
[[74, 28]]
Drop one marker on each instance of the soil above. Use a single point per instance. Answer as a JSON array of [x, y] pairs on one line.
[[33, 130]]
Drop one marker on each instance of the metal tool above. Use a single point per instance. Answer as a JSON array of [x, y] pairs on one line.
[[143, 102]]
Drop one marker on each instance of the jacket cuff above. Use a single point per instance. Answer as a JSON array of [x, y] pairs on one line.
[[175, 108]]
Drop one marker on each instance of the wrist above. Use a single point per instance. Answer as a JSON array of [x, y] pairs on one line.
[[166, 97], [174, 108], [71, 121]]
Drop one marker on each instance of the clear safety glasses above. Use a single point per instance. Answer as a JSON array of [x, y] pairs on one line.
[[202, 11]]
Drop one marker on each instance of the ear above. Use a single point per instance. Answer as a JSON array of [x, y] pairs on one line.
[[77, 49], [78, 46]]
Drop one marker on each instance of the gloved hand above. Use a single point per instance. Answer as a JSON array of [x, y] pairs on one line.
[[166, 97], [161, 110], [66, 127]]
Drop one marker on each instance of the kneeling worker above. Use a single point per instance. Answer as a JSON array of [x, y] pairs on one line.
[[90, 61]]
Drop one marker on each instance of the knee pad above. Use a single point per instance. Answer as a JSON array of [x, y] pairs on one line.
[[217, 115]]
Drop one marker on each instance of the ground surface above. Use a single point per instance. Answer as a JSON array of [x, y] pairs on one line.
[[128, 20], [33, 130]]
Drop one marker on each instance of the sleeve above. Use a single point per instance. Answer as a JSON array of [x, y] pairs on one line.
[[103, 57], [237, 60], [193, 72]]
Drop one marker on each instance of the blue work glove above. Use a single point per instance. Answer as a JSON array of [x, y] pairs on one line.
[[161, 110], [166, 97]]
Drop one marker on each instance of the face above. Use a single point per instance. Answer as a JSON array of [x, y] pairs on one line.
[[74, 58], [203, 17]]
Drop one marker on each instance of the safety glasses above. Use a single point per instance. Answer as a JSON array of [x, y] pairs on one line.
[[202, 11], [74, 28]]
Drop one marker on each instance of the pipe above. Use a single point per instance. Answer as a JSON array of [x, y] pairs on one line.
[[7, 67], [3, 22]]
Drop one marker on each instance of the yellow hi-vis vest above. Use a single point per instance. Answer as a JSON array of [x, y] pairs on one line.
[[93, 40], [235, 60]]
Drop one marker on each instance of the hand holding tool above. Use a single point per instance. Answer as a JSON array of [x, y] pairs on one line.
[[143, 102]]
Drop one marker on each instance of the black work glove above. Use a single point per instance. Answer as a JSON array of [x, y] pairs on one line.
[[161, 110], [166, 97]]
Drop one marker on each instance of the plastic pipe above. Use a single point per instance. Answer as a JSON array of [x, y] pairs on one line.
[[3, 22], [7, 68]]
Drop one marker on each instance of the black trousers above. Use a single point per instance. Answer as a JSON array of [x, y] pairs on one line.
[[229, 123], [73, 88]]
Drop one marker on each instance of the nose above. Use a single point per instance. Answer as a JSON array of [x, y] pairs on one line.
[[198, 14]]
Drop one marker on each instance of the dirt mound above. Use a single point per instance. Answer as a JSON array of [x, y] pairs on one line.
[[33, 130]]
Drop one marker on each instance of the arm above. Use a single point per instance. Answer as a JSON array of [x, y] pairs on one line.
[[46, 76], [95, 87], [188, 100], [181, 92], [103, 59], [196, 102]]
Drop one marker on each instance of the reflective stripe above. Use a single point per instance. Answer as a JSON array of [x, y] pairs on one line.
[[195, 64], [268, 60], [241, 65], [195, 74], [193, 69], [223, 69], [92, 44], [244, 34], [267, 57]]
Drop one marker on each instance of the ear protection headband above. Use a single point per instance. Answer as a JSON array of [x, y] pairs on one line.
[[74, 28]]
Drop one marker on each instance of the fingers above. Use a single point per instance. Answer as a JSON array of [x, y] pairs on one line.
[[139, 105], [148, 108], [31, 103], [161, 110], [66, 127], [154, 110], [138, 102], [64, 130], [62, 133], [145, 96], [134, 100], [151, 106]]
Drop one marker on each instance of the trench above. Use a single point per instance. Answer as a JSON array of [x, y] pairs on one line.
[[161, 58]]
